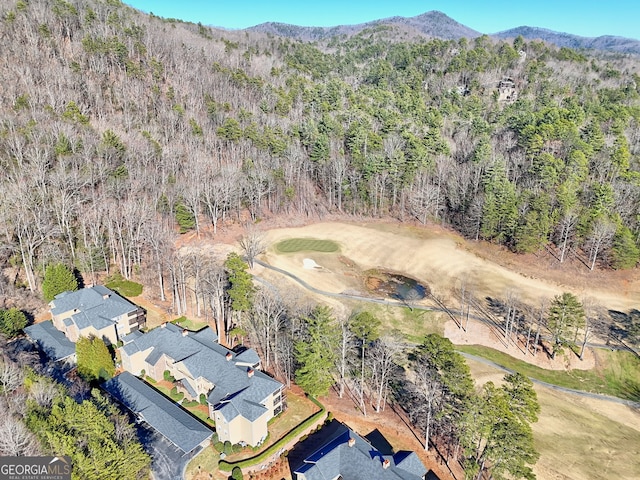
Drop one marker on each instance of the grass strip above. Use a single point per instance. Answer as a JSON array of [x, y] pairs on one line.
[[292, 245], [248, 462], [617, 377], [124, 287]]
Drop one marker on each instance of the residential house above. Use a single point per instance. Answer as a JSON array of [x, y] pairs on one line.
[[346, 455], [171, 421], [241, 398], [51, 341], [507, 91], [95, 311]]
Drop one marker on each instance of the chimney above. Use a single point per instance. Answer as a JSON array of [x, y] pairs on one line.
[[250, 372], [105, 296], [386, 463], [228, 356], [352, 442], [185, 332]]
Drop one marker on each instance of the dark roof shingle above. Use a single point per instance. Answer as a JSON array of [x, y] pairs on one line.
[[179, 427], [361, 460], [51, 340]]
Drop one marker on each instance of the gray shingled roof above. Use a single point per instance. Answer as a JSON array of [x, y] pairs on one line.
[[359, 461], [204, 357], [249, 356], [51, 340], [132, 336], [170, 420], [92, 306]]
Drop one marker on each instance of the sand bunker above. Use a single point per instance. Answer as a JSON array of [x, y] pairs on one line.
[[310, 264]]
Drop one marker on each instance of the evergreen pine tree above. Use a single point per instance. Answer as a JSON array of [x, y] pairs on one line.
[[58, 278]]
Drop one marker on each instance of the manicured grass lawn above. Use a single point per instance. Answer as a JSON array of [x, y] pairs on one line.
[[205, 461], [167, 392], [193, 325], [298, 409], [413, 325], [202, 412], [247, 457], [306, 245], [197, 410], [124, 287], [617, 374]]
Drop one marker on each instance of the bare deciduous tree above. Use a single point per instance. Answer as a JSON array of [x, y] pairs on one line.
[[15, 438], [252, 243], [383, 359], [11, 376]]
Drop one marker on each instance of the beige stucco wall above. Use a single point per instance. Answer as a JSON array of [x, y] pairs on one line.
[[242, 430], [108, 334], [136, 363]]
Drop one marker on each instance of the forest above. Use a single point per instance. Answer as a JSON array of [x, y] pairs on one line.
[[122, 131]]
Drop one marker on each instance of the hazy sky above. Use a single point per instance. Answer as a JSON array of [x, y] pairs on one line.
[[581, 17]]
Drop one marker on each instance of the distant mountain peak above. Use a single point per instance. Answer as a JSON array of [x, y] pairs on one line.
[[436, 24], [610, 43], [432, 24]]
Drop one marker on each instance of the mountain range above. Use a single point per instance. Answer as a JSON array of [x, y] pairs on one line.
[[436, 24]]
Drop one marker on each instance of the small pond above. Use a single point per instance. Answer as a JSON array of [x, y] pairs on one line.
[[396, 286]]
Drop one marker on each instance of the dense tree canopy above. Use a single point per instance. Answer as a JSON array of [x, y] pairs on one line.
[[97, 438], [517, 143], [315, 352], [12, 321], [94, 359], [58, 278]]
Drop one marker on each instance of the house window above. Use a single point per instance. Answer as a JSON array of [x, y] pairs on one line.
[[277, 410], [277, 399]]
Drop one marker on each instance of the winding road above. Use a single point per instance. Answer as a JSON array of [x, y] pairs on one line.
[[484, 320]]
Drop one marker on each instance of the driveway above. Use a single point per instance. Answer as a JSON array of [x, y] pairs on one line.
[[168, 462]]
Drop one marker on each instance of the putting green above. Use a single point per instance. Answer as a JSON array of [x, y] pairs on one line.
[[292, 245]]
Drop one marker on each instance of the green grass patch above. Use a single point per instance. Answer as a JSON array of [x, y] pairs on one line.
[[617, 376], [171, 393], [576, 441], [197, 411], [193, 325], [292, 245], [247, 462], [413, 324], [123, 287], [205, 461]]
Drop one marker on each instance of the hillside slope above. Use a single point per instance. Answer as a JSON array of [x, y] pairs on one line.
[[609, 43], [122, 129], [431, 24]]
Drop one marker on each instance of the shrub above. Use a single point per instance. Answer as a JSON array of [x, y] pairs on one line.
[[236, 473], [247, 462], [228, 448]]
